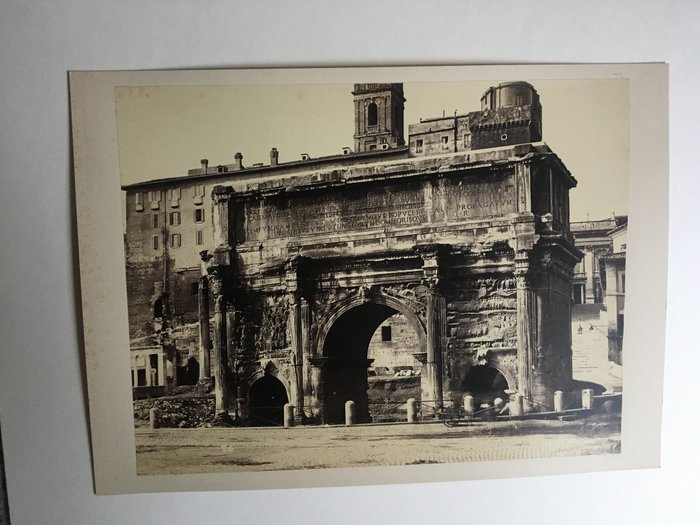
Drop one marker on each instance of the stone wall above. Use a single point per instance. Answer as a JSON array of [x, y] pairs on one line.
[[398, 350], [183, 412], [388, 396]]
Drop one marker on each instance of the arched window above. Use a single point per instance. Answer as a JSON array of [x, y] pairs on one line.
[[372, 114], [158, 308]]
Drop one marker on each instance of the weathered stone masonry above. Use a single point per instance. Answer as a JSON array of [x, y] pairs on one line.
[[481, 273]]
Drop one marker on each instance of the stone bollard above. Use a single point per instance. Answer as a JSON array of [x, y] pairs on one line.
[[498, 404], [558, 401], [349, 413], [517, 407], [153, 418], [288, 415], [468, 404], [587, 398], [411, 410]]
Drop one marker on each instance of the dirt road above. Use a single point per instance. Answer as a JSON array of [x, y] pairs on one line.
[[207, 450]]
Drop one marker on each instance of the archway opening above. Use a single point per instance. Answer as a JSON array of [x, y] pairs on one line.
[[360, 336], [267, 397], [485, 383]]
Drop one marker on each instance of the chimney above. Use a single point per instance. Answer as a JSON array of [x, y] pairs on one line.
[[205, 165], [238, 161], [274, 157]]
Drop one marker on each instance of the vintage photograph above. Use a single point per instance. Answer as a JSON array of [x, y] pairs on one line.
[[305, 278], [374, 274]]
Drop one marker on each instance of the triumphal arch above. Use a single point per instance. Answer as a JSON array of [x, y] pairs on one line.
[[472, 247]]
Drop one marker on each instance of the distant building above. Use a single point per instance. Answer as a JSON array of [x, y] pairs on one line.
[[599, 278], [593, 238]]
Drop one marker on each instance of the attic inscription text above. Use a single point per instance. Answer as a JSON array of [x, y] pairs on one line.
[[402, 205]]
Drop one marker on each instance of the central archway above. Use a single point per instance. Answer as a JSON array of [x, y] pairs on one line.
[[344, 344]]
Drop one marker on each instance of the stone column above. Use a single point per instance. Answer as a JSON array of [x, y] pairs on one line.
[[590, 272], [435, 316], [204, 337], [149, 377], [526, 301], [219, 357], [298, 330], [161, 370], [307, 354], [436, 321], [297, 355]]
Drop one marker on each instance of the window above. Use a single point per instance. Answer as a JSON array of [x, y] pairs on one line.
[[174, 218], [198, 194], [154, 199], [467, 140], [386, 334], [372, 114], [157, 309], [372, 147], [199, 237], [194, 288], [155, 220], [175, 240], [445, 142], [419, 146], [155, 242], [138, 200], [199, 215], [174, 195]]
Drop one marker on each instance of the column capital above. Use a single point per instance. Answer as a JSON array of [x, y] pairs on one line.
[[221, 193], [433, 256], [296, 274]]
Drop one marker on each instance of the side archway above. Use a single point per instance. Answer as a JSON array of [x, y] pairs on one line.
[[485, 383], [267, 397]]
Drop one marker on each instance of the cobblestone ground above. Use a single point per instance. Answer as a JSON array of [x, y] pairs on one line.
[[208, 450]]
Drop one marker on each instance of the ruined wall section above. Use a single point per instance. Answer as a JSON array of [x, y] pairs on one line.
[[261, 338], [481, 320]]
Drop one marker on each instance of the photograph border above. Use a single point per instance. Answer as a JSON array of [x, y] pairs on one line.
[[103, 286]]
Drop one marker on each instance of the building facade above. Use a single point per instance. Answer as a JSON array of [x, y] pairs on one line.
[[276, 277], [599, 278]]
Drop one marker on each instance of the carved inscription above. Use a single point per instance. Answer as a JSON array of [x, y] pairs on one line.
[[402, 205]]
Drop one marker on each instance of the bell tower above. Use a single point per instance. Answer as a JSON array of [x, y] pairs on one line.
[[378, 116]]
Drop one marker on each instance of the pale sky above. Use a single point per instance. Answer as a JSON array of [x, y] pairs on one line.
[[164, 131]]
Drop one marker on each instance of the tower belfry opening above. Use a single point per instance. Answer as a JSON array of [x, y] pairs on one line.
[[378, 116]]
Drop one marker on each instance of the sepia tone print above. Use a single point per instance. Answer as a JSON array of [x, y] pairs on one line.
[[445, 290]]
